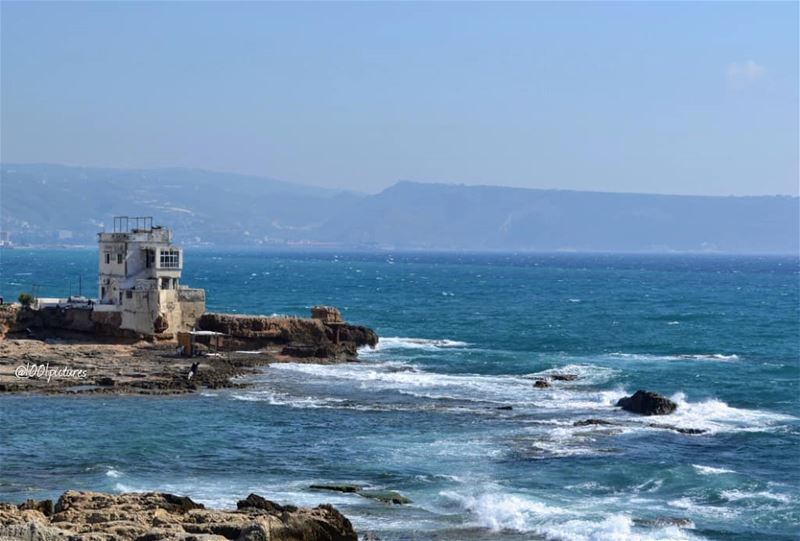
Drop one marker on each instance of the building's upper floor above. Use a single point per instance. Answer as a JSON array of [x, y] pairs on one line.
[[141, 251]]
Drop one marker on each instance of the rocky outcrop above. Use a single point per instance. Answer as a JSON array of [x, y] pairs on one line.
[[92, 516], [300, 337], [647, 403]]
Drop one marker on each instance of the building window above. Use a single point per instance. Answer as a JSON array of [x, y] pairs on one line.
[[119, 258], [129, 294], [170, 259], [108, 258]]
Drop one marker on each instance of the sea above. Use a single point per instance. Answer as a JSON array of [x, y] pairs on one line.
[[426, 413]]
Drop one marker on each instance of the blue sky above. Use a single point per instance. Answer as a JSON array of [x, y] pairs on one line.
[[697, 98]]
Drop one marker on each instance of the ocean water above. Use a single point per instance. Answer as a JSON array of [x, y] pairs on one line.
[[463, 335]]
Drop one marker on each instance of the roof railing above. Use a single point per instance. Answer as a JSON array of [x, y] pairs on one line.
[[127, 224]]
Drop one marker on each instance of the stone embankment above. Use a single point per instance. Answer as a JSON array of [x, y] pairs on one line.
[[154, 516]]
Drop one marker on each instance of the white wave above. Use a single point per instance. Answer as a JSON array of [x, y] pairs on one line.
[[697, 509], [680, 357], [284, 399], [428, 344], [409, 380], [499, 512], [588, 374], [716, 416], [114, 474], [736, 495], [709, 470]]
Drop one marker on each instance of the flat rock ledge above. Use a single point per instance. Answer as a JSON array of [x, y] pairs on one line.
[[154, 516]]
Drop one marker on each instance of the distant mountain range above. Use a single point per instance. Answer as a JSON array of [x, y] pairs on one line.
[[53, 204]]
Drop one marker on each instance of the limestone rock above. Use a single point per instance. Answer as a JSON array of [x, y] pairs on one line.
[[153, 516]]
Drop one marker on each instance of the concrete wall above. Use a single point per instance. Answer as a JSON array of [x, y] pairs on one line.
[[162, 312]]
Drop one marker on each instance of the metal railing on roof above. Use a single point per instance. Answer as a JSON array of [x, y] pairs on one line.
[[126, 224]]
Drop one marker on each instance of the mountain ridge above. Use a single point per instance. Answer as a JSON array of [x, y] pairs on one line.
[[52, 204]]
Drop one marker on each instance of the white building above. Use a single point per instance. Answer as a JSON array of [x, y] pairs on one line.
[[139, 276]]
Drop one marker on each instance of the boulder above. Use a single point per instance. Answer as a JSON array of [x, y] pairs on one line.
[[541, 384], [564, 377], [647, 403], [254, 501], [45, 507]]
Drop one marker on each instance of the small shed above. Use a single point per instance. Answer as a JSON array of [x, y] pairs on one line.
[[188, 342]]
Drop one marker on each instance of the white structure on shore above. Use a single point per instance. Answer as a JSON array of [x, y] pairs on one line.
[[139, 277]]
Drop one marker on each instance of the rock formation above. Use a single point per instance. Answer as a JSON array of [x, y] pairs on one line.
[[92, 516], [301, 337], [647, 403]]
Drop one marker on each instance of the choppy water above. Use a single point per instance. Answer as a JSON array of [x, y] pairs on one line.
[[464, 335]]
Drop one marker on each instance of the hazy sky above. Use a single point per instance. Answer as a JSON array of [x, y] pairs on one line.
[[648, 97]]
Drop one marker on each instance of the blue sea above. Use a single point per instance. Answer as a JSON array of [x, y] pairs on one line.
[[461, 336]]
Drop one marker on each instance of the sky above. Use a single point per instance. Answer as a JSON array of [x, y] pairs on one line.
[[674, 97]]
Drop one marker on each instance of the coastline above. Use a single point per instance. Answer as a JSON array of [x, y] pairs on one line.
[[157, 516], [140, 368], [52, 356]]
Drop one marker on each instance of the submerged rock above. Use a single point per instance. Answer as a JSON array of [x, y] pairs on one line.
[[647, 403], [385, 496], [661, 522], [678, 428], [590, 422], [505, 408], [89, 516], [564, 377], [541, 384], [337, 488]]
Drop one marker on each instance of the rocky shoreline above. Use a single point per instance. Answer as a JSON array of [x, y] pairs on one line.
[[155, 516], [50, 360]]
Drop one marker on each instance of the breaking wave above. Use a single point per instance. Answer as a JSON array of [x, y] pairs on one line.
[[709, 470], [503, 512], [427, 344], [682, 357]]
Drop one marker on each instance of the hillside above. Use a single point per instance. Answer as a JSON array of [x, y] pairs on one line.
[[49, 204]]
